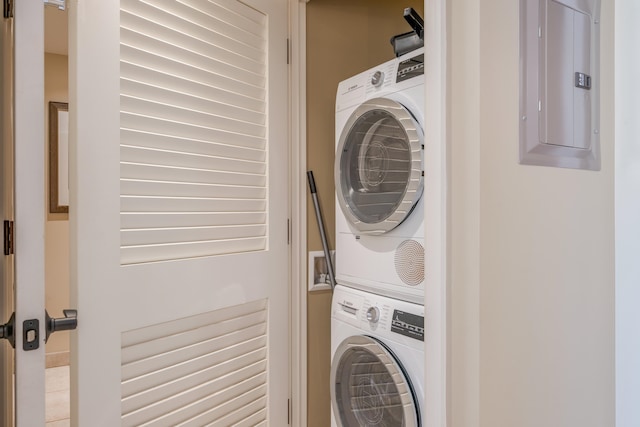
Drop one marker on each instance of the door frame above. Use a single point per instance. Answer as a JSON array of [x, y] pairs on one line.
[[298, 197], [437, 228], [6, 210], [437, 213]]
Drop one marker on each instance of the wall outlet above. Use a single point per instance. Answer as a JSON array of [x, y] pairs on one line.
[[318, 271]]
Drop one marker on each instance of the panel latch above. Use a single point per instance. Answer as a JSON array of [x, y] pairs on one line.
[[583, 81]]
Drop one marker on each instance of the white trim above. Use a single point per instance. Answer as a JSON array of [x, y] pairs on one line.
[[29, 208], [627, 209], [298, 193], [436, 215]]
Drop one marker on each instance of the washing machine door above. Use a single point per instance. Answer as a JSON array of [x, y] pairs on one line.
[[369, 386], [378, 170]]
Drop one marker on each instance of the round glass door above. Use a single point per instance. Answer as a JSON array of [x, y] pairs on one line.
[[368, 387], [378, 169]]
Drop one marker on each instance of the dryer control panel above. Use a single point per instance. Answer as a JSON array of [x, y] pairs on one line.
[[396, 75]]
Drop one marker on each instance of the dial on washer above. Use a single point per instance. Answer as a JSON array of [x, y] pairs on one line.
[[377, 78], [373, 314]]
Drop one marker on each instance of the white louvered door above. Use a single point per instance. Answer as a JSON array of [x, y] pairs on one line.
[[179, 203]]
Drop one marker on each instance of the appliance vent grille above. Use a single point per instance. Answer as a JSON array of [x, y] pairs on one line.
[[409, 262]]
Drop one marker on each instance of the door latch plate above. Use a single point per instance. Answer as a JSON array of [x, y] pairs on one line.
[[30, 334]]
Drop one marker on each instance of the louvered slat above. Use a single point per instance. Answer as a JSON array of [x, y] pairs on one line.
[[183, 84], [196, 176], [163, 95], [189, 219], [202, 382], [202, 369], [189, 115], [175, 251], [186, 204], [231, 349], [252, 402], [176, 235], [193, 128]]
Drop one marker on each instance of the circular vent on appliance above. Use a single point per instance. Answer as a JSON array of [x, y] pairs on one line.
[[409, 260]]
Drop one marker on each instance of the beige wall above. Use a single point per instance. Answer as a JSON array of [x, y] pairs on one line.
[[343, 39], [57, 225], [532, 259]]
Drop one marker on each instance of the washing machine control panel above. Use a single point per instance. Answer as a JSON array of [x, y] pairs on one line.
[[384, 316]]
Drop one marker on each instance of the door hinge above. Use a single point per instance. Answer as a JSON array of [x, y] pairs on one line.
[[288, 411], [288, 231], [8, 9], [8, 237], [288, 51]]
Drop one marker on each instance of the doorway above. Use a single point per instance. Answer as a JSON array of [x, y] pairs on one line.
[[343, 39], [56, 92]]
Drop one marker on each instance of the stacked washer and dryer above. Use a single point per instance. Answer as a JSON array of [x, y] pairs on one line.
[[377, 323]]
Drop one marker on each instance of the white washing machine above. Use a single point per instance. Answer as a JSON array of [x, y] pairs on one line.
[[377, 368], [379, 179]]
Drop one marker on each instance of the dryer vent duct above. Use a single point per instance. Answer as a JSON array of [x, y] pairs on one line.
[[409, 261]]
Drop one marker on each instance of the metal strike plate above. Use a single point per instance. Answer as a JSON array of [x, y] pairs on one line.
[[30, 334]]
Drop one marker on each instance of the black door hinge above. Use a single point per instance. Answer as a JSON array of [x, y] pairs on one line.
[[8, 9], [8, 237]]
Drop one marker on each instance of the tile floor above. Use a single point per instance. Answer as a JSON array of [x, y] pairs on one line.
[[57, 397]]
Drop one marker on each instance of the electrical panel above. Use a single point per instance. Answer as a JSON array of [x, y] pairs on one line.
[[560, 83]]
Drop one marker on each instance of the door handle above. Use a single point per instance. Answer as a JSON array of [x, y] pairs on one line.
[[66, 323], [6, 331]]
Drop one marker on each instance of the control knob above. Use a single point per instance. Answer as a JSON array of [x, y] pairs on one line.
[[377, 78], [373, 314]]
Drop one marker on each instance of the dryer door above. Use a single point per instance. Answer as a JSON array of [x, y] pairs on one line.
[[369, 387], [378, 170]]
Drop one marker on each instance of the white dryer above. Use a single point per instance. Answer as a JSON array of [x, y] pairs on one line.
[[377, 368], [379, 179]]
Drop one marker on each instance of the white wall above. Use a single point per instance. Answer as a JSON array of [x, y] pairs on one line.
[[532, 248], [627, 178]]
